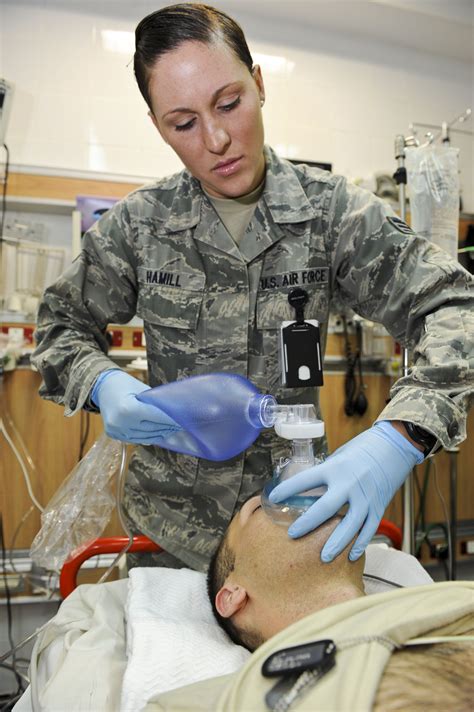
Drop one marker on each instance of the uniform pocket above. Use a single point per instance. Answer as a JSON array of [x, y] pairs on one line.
[[170, 306]]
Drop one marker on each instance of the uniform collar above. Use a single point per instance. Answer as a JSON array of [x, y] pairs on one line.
[[185, 211], [283, 196], [283, 193]]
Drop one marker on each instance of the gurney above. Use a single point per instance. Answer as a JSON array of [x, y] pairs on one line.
[[114, 646]]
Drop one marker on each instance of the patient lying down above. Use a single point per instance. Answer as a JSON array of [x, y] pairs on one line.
[[260, 582]]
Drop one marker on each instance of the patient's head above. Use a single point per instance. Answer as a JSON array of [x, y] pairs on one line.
[[260, 581]]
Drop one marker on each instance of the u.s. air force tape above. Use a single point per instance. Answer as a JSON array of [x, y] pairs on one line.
[[312, 276]]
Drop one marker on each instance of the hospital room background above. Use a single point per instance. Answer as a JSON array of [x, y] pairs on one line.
[[343, 80]]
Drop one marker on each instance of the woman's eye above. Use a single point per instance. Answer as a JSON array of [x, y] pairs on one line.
[[232, 105], [186, 126]]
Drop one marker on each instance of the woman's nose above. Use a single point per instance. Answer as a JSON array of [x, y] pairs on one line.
[[216, 138]]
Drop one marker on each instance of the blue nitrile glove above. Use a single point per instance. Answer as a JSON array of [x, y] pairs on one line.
[[125, 417], [364, 473]]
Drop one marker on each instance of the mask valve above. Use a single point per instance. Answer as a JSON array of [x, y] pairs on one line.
[[299, 424]]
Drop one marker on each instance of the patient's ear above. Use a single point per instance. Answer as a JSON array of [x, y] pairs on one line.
[[230, 599]]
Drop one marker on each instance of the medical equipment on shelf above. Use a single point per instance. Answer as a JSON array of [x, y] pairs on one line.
[[299, 424], [28, 266]]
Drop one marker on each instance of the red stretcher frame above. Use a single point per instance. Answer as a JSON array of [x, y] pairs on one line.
[[114, 545]]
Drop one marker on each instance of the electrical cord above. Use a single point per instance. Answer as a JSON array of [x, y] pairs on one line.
[[360, 403], [15, 535], [349, 380], [420, 516], [19, 681], [22, 465], [447, 520], [6, 666], [4, 192], [420, 521], [15, 430], [355, 399], [379, 578], [83, 435]]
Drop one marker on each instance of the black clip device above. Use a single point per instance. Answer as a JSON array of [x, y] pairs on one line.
[[300, 346]]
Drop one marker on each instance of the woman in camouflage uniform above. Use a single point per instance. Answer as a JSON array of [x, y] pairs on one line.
[[207, 258]]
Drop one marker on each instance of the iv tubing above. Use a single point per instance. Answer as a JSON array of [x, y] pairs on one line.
[[22, 465], [123, 521]]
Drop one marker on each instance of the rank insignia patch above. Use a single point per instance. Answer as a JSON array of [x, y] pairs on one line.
[[401, 226]]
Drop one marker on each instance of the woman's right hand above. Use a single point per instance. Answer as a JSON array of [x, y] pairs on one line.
[[125, 417]]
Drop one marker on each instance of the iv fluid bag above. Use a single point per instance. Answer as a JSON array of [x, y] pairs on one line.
[[433, 181], [221, 414]]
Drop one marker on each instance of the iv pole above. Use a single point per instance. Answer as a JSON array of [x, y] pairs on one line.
[[400, 177]]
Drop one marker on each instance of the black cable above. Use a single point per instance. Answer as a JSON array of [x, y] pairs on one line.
[[379, 578], [11, 702], [360, 401], [4, 192], [418, 491], [11, 669], [420, 517], [84, 435], [349, 380], [9, 606]]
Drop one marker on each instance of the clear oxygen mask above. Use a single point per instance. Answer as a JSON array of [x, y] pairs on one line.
[[299, 424]]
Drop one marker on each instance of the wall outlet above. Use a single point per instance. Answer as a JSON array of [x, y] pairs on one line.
[[117, 337], [467, 547]]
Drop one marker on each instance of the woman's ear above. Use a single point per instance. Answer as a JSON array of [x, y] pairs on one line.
[[230, 599], [257, 75]]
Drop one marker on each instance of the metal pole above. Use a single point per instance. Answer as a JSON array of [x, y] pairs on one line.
[[408, 532], [453, 490]]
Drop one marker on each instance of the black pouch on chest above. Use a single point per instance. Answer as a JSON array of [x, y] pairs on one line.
[[300, 347]]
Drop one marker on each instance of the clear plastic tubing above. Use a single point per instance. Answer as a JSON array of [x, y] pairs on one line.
[[221, 414]]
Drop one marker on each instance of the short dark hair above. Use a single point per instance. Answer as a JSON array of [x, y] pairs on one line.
[[165, 29], [221, 566]]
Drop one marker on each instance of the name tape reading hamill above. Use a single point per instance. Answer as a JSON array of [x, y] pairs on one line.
[[181, 280], [317, 275]]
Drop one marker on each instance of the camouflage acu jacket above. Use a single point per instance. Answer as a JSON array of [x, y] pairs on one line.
[[207, 305]]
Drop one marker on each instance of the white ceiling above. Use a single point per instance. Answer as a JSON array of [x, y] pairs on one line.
[[441, 27]]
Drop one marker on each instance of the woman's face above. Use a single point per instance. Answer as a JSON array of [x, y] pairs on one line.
[[206, 106]]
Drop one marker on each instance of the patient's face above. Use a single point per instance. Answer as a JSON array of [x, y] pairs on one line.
[[264, 553]]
